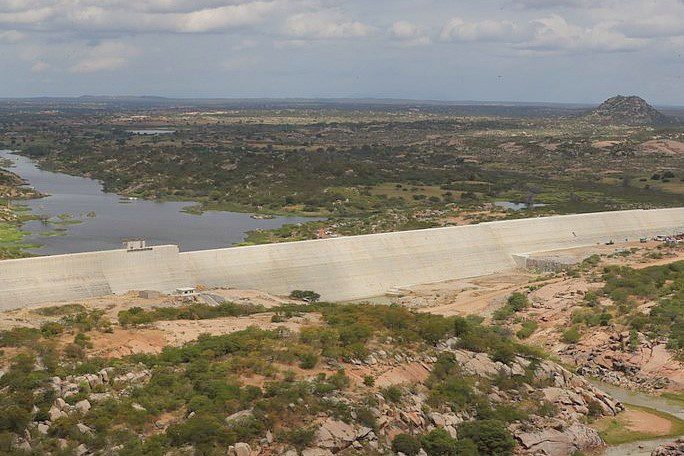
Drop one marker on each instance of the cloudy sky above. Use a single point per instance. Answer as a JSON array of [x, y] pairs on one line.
[[517, 50]]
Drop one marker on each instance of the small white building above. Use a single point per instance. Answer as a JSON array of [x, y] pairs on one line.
[[185, 291], [137, 244]]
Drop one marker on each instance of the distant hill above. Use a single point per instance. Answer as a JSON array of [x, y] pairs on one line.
[[630, 110]]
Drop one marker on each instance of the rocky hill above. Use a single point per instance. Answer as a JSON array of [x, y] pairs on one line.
[[356, 380], [630, 110]]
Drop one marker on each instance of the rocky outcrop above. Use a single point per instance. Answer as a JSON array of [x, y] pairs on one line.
[[613, 358], [675, 448], [574, 438], [630, 110]]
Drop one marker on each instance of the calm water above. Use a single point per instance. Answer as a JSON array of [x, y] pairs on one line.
[[641, 447], [94, 220], [515, 206]]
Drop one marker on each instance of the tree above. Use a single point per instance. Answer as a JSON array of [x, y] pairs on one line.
[[490, 436], [305, 295], [407, 444]]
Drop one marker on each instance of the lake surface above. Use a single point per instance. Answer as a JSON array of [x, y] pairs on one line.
[[516, 206], [84, 218], [151, 132]]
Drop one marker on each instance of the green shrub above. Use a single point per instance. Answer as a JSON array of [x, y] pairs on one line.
[[392, 394], [528, 328], [571, 336], [308, 360], [407, 444], [368, 380], [51, 329], [438, 442], [305, 295], [300, 437], [515, 303], [490, 436]]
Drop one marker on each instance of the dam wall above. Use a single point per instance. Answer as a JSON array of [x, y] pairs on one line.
[[82, 275], [339, 269]]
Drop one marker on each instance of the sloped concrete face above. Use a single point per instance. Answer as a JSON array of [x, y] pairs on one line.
[[82, 275], [363, 266], [339, 269]]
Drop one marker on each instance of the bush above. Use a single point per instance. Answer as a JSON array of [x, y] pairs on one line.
[[438, 442], [571, 336], [490, 436], [392, 394], [305, 295], [368, 380], [528, 328], [407, 444], [515, 303], [51, 329], [504, 353], [308, 360], [300, 437]]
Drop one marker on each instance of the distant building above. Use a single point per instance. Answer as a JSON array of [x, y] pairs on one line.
[[133, 245], [185, 291]]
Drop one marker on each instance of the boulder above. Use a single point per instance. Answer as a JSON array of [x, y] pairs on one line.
[[242, 449], [238, 417], [82, 406], [316, 452], [55, 413], [553, 442], [675, 448], [335, 435]]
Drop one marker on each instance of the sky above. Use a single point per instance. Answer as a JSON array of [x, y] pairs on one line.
[[580, 51]]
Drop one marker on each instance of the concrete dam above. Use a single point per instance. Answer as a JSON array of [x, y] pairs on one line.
[[339, 269]]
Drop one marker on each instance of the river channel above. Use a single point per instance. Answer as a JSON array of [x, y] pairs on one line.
[[78, 216]]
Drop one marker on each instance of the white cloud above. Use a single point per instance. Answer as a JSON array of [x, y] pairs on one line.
[[554, 4], [139, 16], [40, 67], [409, 33], [322, 25], [457, 29], [547, 34], [240, 63], [11, 36], [106, 56]]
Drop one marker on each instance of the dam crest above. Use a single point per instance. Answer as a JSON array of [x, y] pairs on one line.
[[339, 269]]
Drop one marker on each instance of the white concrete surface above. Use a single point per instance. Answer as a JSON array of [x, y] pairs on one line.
[[339, 269]]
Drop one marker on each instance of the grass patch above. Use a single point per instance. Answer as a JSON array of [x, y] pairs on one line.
[[677, 397], [616, 430]]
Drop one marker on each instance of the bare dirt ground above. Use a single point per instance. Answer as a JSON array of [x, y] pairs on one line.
[[649, 423], [480, 295], [152, 339], [668, 147], [178, 332]]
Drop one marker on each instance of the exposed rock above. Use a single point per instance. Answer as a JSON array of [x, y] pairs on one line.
[[82, 406], [242, 449], [316, 452], [55, 413], [553, 442], [84, 429], [675, 448], [240, 416], [335, 435], [629, 110]]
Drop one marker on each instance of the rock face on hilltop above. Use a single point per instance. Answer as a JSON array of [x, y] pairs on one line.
[[621, 110]]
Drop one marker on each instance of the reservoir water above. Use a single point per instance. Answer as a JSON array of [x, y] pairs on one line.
[[82, 217]]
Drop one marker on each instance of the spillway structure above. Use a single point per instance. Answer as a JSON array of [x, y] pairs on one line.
[[340, 269]]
